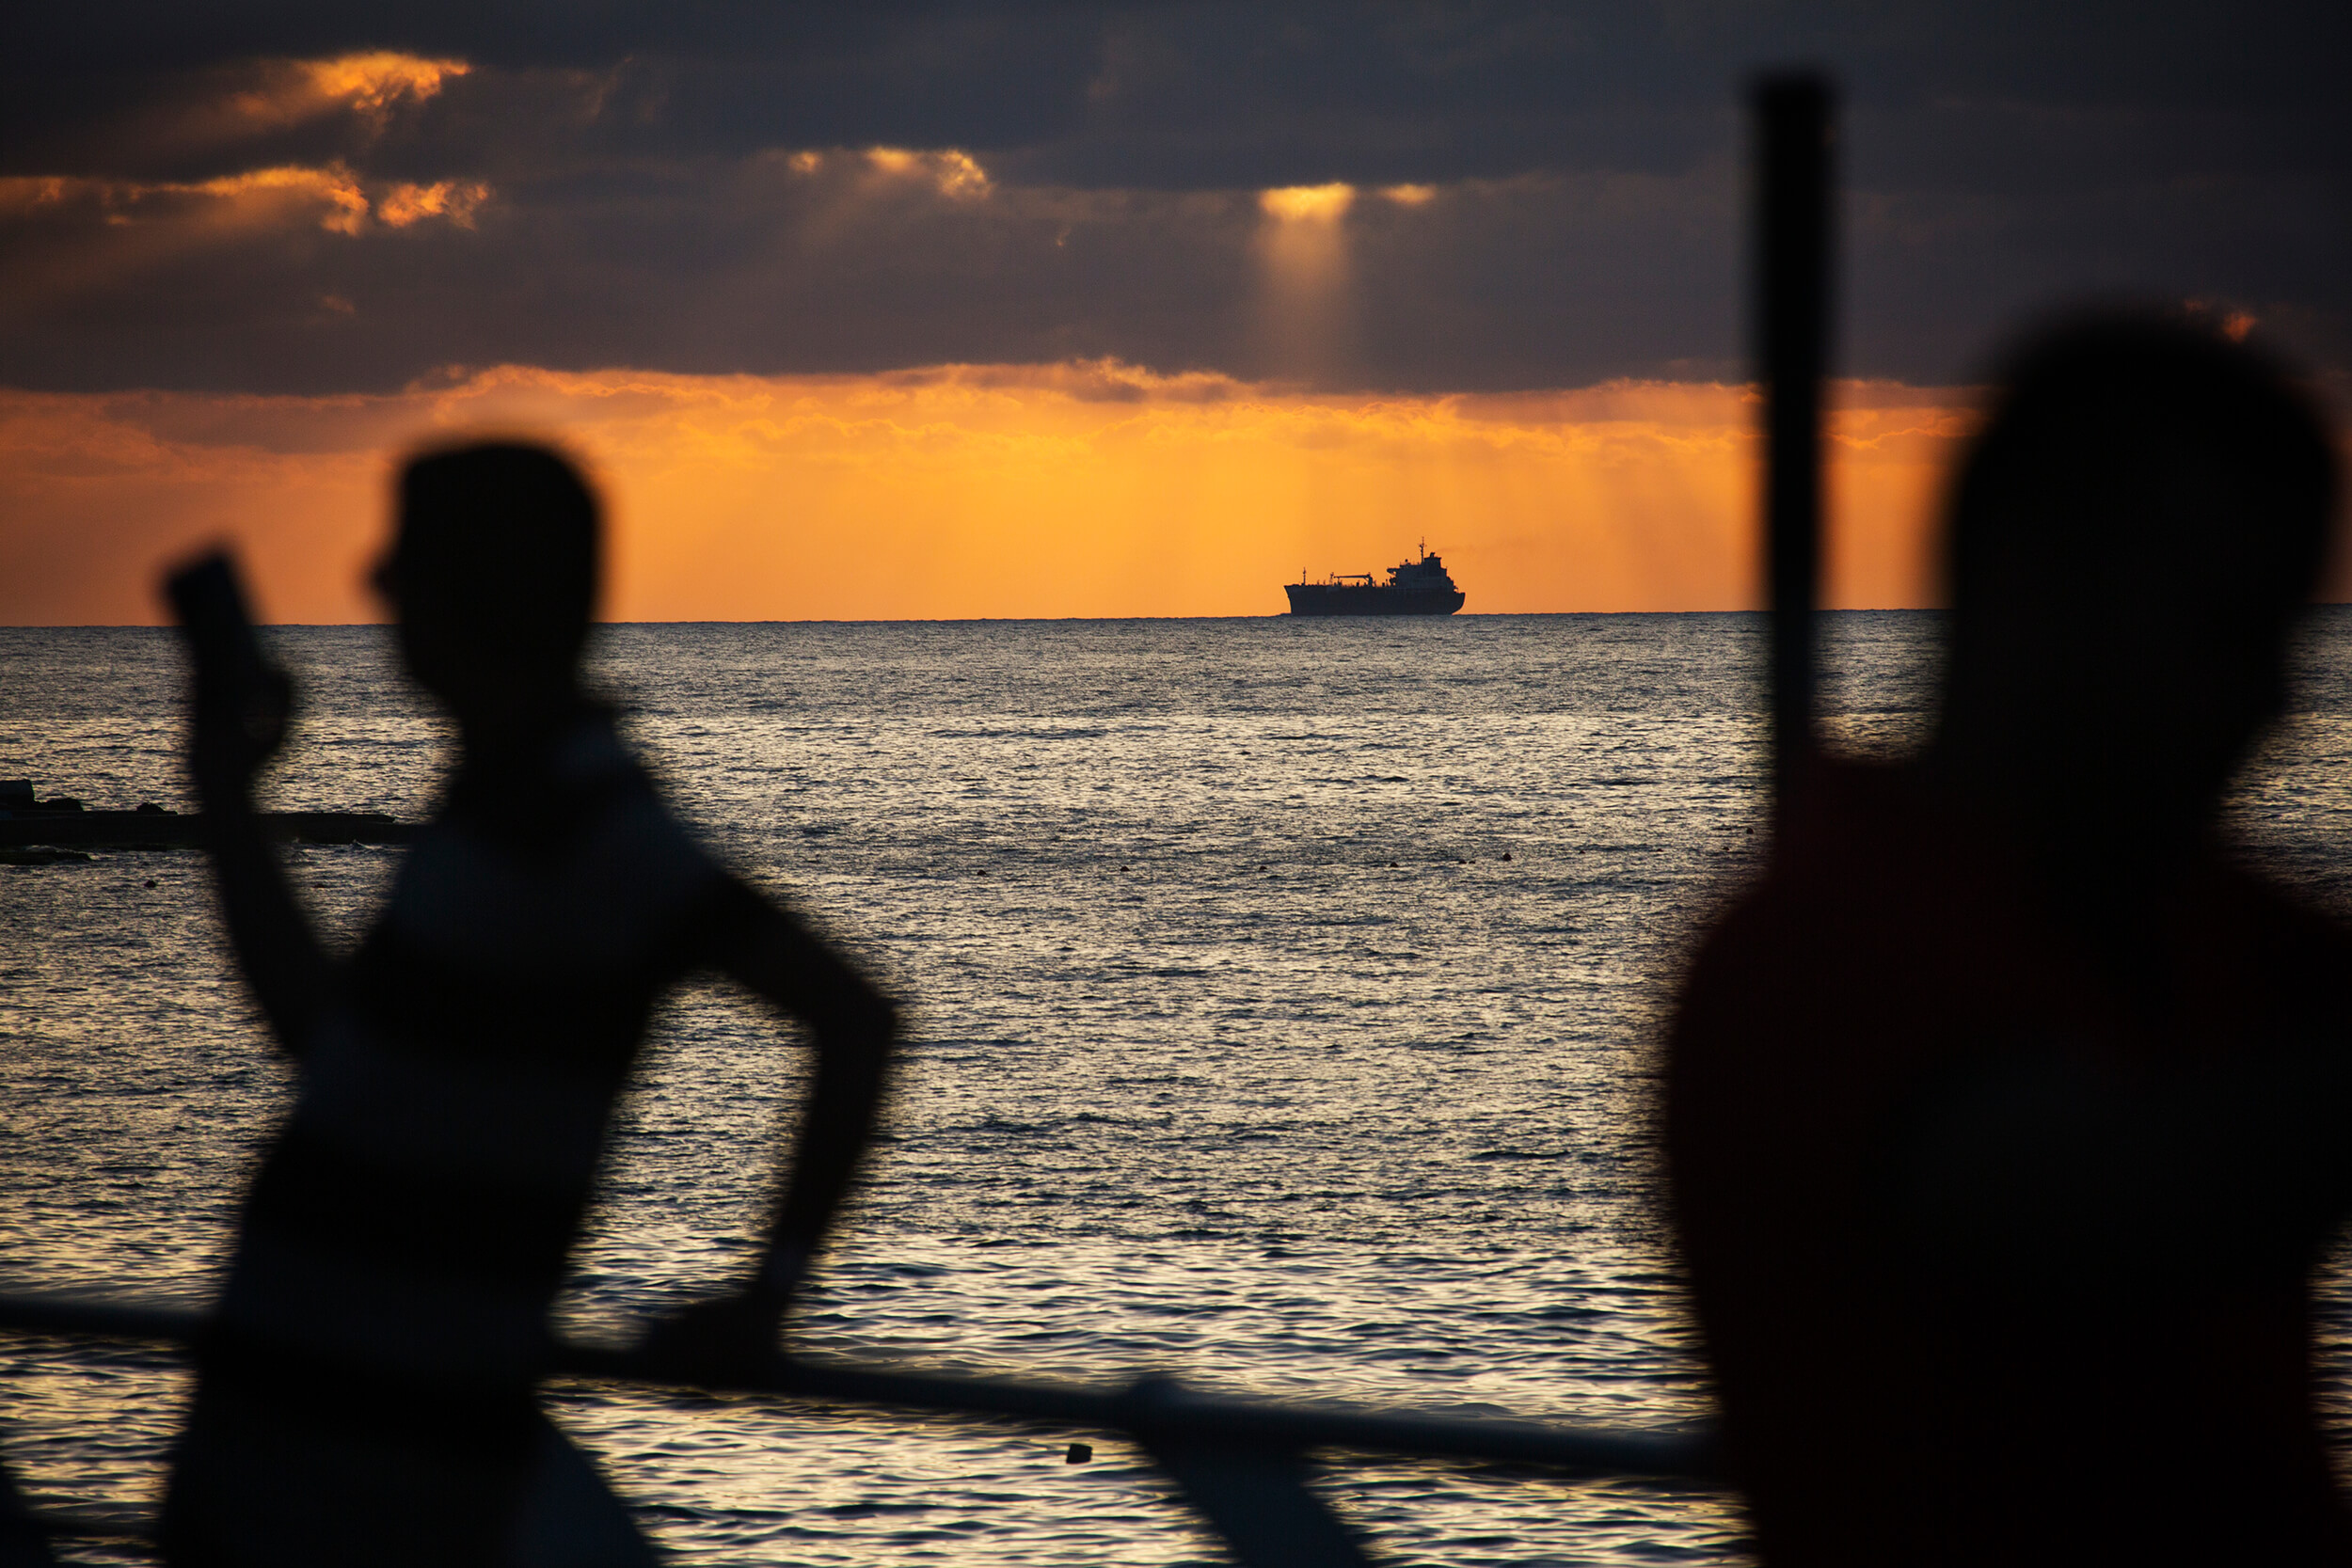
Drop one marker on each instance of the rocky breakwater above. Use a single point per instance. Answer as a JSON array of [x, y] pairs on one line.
[[28, 822]]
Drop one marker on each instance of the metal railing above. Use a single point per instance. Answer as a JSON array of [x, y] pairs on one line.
[[1243, 1465]]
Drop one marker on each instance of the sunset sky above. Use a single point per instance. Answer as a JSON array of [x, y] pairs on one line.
[[1061, 309]]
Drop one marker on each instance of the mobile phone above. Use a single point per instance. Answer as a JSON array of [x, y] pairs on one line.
[[233, 675]]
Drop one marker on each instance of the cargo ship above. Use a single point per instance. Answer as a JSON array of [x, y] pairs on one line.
[[1414, 587]]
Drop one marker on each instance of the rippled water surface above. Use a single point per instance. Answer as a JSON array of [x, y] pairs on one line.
[[1284, 1000]]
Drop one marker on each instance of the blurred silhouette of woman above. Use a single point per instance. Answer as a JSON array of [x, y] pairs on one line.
[[2009, 1116], [367, 1396]]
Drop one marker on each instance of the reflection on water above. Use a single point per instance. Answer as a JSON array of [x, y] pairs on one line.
[[1239, 1049]]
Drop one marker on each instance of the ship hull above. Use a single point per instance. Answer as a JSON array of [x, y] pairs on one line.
[[1316, 598]]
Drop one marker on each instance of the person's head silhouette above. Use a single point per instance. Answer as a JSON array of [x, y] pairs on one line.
[[2143, 518], [494, 574]]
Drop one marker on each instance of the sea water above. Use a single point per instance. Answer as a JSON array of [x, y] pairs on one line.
[[1284, 1003]]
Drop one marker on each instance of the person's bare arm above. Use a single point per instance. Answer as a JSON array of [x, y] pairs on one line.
[[282, 958], [239, 711], [850, 1026]]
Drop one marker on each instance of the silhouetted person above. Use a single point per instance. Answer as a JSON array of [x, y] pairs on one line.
[[368, 1396], [2007, 1117], [23, 1542]]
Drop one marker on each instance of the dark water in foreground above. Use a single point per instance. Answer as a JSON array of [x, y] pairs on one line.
[[1240, 1051]]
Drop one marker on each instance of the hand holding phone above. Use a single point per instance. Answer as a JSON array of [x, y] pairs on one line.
[[241, 701]]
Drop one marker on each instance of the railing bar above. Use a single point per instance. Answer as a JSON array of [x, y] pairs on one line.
[[1262, 1422], [1151, 1406], [69, 1522], [70, 1316]]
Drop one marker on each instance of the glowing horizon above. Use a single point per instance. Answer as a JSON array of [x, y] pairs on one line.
[[1079, 489]]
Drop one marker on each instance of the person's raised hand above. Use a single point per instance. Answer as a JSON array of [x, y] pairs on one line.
[[237, 727], [241, 702]]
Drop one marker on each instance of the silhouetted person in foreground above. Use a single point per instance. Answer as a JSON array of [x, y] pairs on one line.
[[368, 1397], [22, 1544], [2008, 1116]]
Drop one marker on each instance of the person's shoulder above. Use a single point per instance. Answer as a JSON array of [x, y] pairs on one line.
[[1873, 885], [635, 824], [657, 849], [1854, 832]]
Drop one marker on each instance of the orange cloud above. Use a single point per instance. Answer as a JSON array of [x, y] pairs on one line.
[[1308, 203], [75, 235], [340, 205], [331, 197], [289, 196], [946, 171], [452, 200], [376, 81], [372, 85], [218, 110], [952, 174], [1087, 488]]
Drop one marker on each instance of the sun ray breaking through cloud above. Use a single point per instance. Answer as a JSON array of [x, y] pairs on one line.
[[1307, 301]]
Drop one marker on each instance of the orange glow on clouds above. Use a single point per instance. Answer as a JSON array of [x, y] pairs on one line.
[[273, 94], [453, 200], [143, 219], [955, 175], [1080, 489], [287, 196], [371, 84], [1308, 203]]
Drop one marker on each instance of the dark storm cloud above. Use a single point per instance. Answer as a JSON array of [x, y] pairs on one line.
[[616, 185]]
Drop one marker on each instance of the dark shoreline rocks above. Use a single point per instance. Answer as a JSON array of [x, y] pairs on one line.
[[45, 857], [170, 829]]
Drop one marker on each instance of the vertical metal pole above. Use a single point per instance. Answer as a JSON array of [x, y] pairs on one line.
[[1792, 327], [1253, 1497], [1257, 1502]]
